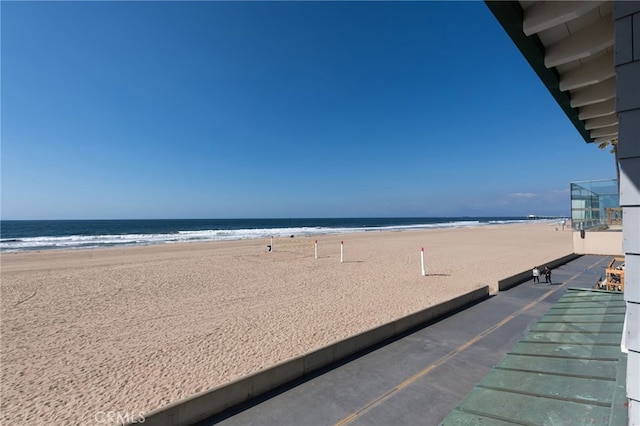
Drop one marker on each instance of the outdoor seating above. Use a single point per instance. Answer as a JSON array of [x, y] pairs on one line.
[[615, 274]]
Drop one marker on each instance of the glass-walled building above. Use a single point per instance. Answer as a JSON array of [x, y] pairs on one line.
[[595, 204]]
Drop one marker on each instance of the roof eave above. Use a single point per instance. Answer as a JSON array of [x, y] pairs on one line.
[[509, 14]]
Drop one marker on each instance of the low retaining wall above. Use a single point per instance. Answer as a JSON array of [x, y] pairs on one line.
[[216, 400], [607, 243], [517, 279]]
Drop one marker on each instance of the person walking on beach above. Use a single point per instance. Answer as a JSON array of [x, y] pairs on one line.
[[547, 275], [536, 275]]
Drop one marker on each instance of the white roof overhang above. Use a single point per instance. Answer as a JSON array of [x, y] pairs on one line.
[[569, 44]]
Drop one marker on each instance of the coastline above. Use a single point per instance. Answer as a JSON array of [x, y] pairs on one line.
[[34, 235], [135, 328]]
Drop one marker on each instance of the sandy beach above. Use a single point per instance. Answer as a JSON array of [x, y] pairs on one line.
[[133, 329]]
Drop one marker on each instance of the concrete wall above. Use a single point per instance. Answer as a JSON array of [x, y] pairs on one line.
[[598, 242], [626, 16], [209, 403], [525, 276], [217, 400]]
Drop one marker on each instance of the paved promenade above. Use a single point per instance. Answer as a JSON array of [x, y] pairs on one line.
[[423, 376]]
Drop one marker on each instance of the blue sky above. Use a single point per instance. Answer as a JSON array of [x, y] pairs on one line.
[[277, 109]]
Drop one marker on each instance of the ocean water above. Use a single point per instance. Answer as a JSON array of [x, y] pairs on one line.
[[26, 235]]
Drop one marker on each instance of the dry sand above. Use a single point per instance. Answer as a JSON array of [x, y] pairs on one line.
[[132, 329]]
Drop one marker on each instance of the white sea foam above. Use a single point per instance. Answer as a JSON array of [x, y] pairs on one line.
[[92, 241]]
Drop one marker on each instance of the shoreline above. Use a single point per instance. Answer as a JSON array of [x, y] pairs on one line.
[[140, 237], [136, 328]]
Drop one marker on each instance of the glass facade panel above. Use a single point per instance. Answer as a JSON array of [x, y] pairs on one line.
[[595, 205]]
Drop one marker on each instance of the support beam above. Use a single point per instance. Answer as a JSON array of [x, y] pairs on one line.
[[591, 72], [597, 110], [544, 15], [599, 122], [611, 132], [602, 139], [593, 94], [581, 44]]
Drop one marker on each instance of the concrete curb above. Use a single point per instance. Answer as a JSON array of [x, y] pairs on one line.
[[522, 277], [216, 400]]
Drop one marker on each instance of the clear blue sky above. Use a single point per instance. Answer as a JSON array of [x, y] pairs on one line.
[[277, 109]]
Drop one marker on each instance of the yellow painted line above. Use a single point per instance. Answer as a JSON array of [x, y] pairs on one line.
[[451, 354]]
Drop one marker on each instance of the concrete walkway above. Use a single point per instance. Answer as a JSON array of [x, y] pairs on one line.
[[421, 377]]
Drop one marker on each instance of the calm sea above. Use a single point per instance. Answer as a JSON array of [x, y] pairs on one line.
[[25, 235]]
